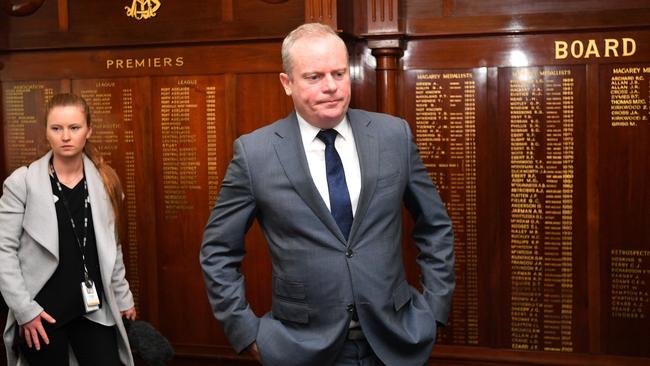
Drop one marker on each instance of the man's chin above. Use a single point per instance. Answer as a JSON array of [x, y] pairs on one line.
[[329, 121]]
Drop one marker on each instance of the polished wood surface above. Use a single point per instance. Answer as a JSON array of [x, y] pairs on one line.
[[171, 93]]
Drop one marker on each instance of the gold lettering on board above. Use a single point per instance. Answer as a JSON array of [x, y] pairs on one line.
[[609, 47]]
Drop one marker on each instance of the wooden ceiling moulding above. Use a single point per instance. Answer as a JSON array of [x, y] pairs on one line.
[[21, 9], [383, 16], [321, 11]]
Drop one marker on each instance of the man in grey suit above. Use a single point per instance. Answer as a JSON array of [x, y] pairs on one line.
[[327, 185]]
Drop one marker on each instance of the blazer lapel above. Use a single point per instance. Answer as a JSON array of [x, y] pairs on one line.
[[40, 214], [368, 152], [291, 153], [103, 220]]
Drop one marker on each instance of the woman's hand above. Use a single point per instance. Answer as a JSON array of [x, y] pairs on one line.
[[34, 328], [129, 314]]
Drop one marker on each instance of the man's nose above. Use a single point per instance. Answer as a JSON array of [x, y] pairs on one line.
[[329, 84]]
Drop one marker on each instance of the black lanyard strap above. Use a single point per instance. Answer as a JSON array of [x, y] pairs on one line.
[[80, 243]]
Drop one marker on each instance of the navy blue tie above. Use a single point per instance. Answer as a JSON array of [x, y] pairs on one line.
[[338, 189]]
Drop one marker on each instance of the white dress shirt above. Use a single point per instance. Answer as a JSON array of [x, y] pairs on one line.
[[315, 151]]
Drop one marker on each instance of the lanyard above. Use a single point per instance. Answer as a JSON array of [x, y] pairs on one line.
[[80, 243]]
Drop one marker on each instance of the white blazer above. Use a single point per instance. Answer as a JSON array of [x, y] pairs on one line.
[[29, 248]]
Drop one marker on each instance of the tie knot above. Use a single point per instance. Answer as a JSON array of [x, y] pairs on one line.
[[327, 136]]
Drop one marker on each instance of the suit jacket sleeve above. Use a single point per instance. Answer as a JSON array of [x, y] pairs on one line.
[[223, 249], [432, 234], [12, 282]]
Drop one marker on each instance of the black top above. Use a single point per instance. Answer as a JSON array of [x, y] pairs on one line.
[[61, 296]]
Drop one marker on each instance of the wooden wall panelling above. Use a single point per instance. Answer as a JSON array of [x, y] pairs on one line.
[[21, 8], [137, 62], [4, 32], [261, 100], [384, 38], [188, 113], [64, 15], [523, 50], [438, 18], [121, 122], [449, 151], [387, 81], [543, 111], [624, 233], [99, 23], [258, 99], [24, 116], [595, 321], [383, 16], [364, 77], [489, 191], [3, 175], [582, 81], [43, 20], [204, 107], [243, 74], [322, 11]]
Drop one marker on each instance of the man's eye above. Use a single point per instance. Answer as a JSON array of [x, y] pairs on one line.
[[313, 77]]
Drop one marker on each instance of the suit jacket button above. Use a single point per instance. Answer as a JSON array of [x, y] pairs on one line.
[[349, 253]]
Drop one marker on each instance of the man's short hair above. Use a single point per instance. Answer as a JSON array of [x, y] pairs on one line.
[[306, 30]]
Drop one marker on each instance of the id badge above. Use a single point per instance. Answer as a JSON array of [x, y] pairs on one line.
[[91, 299]]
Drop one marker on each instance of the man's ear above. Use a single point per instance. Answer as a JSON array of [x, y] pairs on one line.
[[286, 83]]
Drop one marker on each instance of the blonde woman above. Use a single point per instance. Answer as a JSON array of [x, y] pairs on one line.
[[61, 268]]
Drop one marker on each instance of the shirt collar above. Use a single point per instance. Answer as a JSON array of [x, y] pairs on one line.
[[309, 131]]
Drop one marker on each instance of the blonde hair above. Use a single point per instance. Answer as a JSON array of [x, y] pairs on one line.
[[109, 176], [304, 31]]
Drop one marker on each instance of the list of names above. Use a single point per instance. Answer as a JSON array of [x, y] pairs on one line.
[[541, 104]]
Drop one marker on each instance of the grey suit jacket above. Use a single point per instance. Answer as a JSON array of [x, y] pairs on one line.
[[317, 274], [29, 248]]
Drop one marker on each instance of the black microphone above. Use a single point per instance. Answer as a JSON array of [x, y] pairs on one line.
[[148, 343]]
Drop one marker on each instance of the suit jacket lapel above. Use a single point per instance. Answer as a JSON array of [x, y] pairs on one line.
[[291, 153], [103, 221], [40, 214], [368, 152]]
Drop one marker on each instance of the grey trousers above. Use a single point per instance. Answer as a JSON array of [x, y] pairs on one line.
[[357, 353]]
